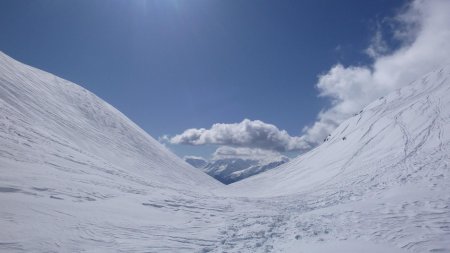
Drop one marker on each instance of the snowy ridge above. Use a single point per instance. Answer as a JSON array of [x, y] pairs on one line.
[[38, 105], [386, 142], [383, 177], [77, 175]]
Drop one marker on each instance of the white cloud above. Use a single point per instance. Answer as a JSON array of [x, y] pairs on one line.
[[193, 157], [225, 152], [377, 45], [424, 30], [248, 133]]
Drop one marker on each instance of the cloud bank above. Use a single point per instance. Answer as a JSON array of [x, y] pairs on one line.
[[423, 30], [248, 133]]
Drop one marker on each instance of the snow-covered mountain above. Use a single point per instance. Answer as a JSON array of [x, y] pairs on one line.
[[45, 119], [196, 161], [392, 140], [230, 170], [382, 176], [77, 175]]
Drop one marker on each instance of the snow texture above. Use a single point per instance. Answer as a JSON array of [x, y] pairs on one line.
[[77, 175]]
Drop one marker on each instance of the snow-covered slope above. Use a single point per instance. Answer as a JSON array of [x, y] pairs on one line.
[[76, 174], [383, 176], [230, 170], [402, 137], [45, 119]]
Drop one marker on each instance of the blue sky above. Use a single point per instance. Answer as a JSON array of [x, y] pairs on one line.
[[172, 65]]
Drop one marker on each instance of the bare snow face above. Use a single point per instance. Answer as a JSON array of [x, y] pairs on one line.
[[382, 175], [422, 30], [42, 114], [392, 140], [77, 175]]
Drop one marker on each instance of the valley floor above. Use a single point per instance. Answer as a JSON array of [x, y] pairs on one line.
[[381, 221]]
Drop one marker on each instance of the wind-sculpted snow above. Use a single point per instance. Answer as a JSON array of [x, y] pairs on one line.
[[382, 176], [403, 137], [75, 172], [77, 175], [42, 114]]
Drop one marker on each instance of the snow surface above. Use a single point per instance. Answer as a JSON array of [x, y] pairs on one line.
[[77, 175], [383, 175]]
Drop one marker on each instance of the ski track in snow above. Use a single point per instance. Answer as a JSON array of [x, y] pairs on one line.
[[77, 175]]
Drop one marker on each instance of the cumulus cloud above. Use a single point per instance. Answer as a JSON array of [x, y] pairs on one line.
[[423, 30], [248, 133]]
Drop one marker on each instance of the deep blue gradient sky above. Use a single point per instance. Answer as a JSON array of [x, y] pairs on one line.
[[170, 65]]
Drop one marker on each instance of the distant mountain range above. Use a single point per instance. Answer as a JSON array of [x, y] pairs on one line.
[[230, 170]]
